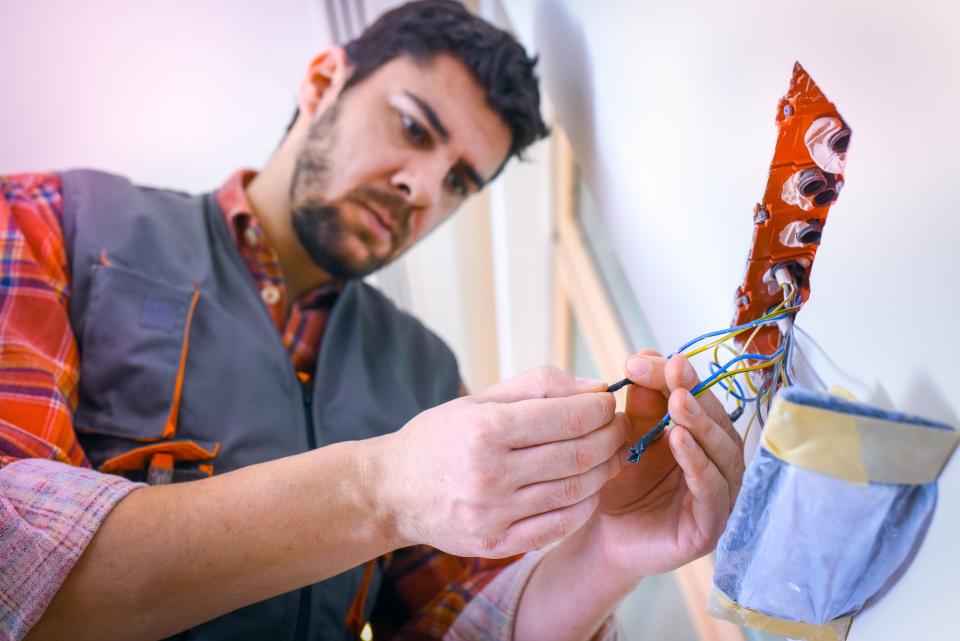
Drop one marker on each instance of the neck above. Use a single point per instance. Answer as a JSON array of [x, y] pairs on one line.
[[269, 194]]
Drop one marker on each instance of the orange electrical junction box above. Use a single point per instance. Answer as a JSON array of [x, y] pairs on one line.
[[806, 176]]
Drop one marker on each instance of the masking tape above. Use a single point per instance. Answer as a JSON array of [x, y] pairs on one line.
[[856, 449], [722, 607]]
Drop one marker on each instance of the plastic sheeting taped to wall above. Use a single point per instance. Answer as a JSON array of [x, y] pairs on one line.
[[831, 509]]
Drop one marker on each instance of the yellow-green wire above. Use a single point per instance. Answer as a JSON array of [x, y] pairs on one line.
[[753, 368]]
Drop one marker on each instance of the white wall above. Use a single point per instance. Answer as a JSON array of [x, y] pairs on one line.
[[670, 108], [175, 93]]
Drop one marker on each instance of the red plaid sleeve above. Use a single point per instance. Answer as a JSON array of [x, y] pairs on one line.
[[424, 591], [39, 362], [429, 595], [49, 511]]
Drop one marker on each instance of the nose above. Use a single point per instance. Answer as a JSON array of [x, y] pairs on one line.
[[421, 183]]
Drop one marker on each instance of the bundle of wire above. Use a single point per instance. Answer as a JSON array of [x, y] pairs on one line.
[[729, 374]]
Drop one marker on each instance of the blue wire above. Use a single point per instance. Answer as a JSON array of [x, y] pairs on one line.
[[739, 394], [742, 357], [641, 445], [730, 330]]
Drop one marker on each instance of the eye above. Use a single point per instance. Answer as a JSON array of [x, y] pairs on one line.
[[416, 133], [456, 184]]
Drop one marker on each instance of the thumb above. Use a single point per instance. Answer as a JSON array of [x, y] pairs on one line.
[[542, 382]]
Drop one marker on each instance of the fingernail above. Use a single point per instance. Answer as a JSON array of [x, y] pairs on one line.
[[691, 405], [638, 367], [688, 441], [590, 383]]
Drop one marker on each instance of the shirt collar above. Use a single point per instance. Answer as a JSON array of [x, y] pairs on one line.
[[247, 234], [232, 198]]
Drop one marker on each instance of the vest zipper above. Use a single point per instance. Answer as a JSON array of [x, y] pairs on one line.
[[303, 611], [308, 412]]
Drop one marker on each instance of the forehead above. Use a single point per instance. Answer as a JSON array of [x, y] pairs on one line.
[[449, 88]]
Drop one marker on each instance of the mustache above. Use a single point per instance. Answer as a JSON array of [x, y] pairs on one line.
[[396, 206]]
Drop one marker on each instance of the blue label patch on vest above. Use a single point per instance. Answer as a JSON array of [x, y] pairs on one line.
[[161, 314]]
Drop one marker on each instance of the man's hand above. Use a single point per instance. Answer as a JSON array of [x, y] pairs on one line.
[[506, 471], [656, 515], [672, 506]]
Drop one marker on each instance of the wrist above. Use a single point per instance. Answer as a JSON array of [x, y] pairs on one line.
[[571, 594], [602, 565], [381, 490]]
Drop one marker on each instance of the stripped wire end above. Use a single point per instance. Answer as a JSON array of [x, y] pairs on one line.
[[641, 446]]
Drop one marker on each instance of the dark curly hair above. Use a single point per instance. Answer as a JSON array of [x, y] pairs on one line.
[[499, 63]]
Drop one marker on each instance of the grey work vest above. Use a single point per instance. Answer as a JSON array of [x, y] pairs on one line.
[[151, 268]]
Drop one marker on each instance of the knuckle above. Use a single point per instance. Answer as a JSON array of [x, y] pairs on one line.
[[542, 375], [608, 408], [708, 430], [576, 422], [571, 488], [582, 457], [561, 528], [547, 378], [554, 531], [700, 466], [482, 428], [484, 479], [475, 439], [490, 545]]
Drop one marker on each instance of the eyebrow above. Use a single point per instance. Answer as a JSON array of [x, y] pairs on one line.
[[444, 136]]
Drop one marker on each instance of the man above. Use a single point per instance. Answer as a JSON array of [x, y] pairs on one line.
[[310, 468]]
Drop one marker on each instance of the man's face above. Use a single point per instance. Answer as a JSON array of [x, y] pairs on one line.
[[390, 160]]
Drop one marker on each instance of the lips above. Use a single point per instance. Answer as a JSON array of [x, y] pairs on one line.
[[379, 223], [384, 218]]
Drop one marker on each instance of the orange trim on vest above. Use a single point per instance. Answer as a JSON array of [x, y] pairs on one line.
[[136, 459], [355, 617], [160, 471], [162, 460], [170, 427], [103, 258]]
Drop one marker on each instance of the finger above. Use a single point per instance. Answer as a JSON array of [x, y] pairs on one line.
[[681, 374], [646, 369], [540, 498], [542, 382], [708, 489], [647, 399], [722, 449], [546, 420], [568, 458], [539, 531], [645, 407]]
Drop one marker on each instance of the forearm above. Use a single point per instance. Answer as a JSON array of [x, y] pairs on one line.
[[570, 594], [170, 557]]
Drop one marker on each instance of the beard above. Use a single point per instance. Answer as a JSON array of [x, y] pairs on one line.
[[319, 225]]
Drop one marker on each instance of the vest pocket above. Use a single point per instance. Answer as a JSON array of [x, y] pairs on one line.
[[161, 463], [134, 340]]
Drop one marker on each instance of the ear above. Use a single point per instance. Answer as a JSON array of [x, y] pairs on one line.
[[328, 70]]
